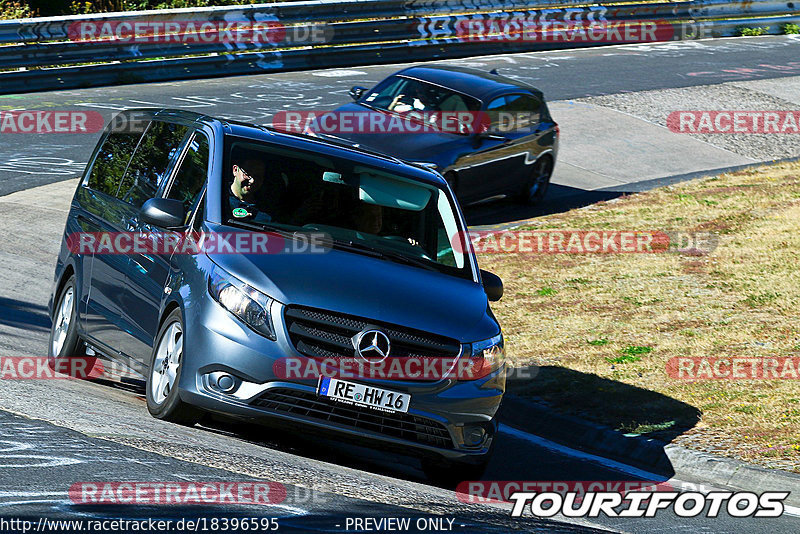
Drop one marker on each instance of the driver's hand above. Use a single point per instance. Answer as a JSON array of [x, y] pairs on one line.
[[396, 100]]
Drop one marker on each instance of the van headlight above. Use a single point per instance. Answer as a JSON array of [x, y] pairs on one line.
[[248, 304], [485, 357]]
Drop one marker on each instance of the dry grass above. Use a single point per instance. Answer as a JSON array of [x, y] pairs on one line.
[[603, 326]]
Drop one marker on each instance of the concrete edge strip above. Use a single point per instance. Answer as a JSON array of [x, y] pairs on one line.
[[646, 185]]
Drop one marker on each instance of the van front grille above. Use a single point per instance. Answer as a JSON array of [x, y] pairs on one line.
[[322, 334], [398, 425]]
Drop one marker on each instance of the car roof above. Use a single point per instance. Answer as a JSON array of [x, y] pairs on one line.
[[482, 85], [330, 146]]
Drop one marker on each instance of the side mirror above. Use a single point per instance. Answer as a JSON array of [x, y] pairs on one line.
[[163, 212], [492, 285], [356, 92]]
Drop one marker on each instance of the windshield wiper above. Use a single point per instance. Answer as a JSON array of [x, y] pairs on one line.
[[262, 226], [388, 255]]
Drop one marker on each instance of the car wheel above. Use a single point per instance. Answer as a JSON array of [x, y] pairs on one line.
[[451, 473], [166, 362], [64, 340], [538, 182]]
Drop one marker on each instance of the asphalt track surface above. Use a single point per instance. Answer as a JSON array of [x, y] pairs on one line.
[[58, 432], [27, 160]]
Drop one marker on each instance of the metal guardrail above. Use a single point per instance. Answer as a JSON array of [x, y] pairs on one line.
[[348, 32]]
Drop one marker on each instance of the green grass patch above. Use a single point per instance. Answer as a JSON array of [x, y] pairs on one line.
[[790, 29], [636, 350], [746, 31], [625, 358], [647, 428]]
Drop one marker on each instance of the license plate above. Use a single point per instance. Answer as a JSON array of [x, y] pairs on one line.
[[363, 395]]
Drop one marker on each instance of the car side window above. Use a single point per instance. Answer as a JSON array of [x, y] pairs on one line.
[[192, 173], [150, 162], [514, 113], [497, 103], [527, 110], [494, 110], [111, 161]]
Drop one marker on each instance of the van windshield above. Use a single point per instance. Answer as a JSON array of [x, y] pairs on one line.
[[364, 209]]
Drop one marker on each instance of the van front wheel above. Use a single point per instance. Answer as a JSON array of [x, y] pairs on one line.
[[163, 398]]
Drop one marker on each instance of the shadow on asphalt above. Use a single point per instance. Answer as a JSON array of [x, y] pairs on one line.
[[598, 415], [559, 198], [19, 314], [620, 406]]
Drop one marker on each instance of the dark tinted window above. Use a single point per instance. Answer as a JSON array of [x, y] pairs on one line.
[[363, 206], [149, 164], [403, 95], [513, 113], [192, 173], [113, 157]]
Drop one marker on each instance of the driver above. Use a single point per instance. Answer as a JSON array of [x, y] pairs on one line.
[[414, 101], [248, 177]]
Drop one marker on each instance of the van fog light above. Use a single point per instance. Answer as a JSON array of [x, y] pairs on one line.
[[222, 382], [225, 383], [474, 435]]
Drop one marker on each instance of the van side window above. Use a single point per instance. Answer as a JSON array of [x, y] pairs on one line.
[[192, 173], [111, 161], [149, 164]]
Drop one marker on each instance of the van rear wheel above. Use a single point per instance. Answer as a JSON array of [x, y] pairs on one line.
[[64, 340]]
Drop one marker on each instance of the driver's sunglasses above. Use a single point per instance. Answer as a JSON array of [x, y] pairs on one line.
[[246, 174]]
